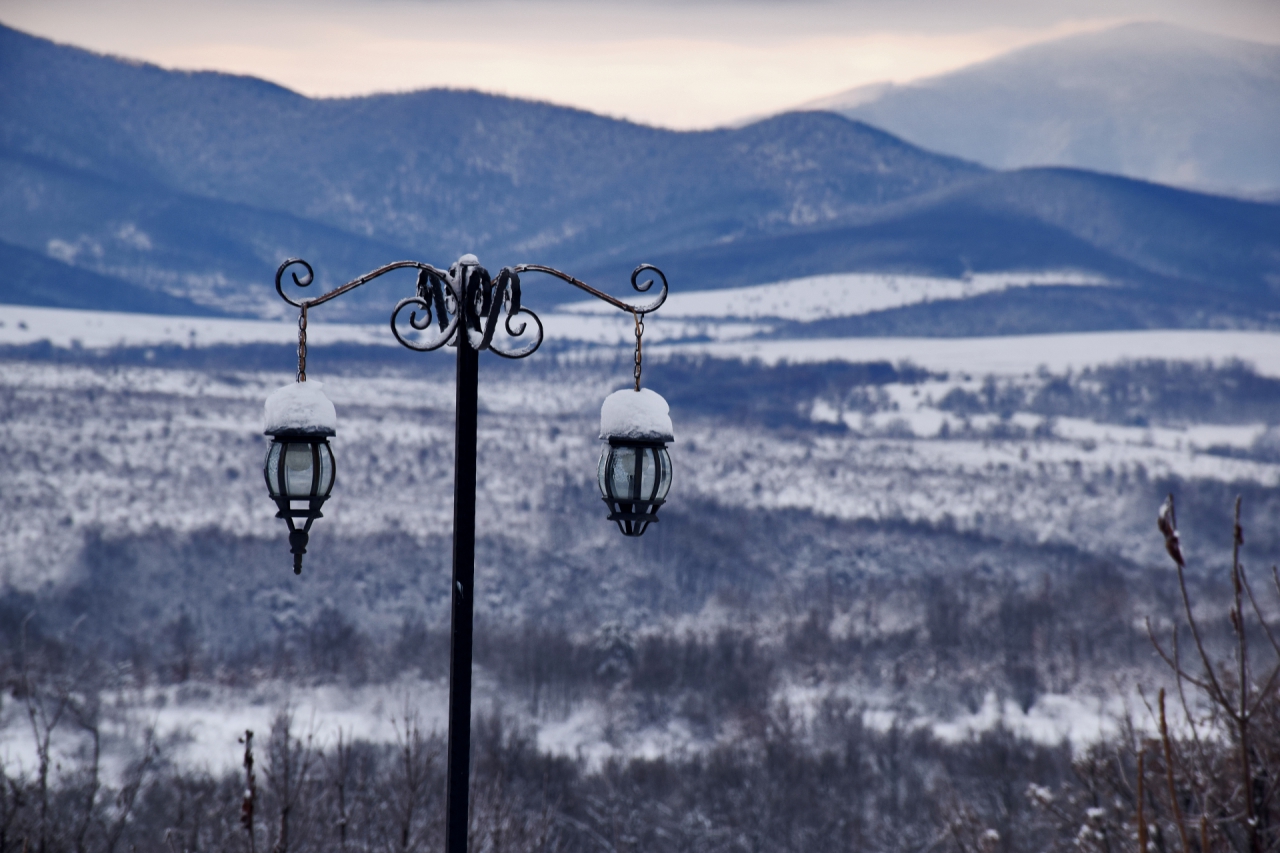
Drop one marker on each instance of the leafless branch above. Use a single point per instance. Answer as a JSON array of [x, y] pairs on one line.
[[1168, 770]]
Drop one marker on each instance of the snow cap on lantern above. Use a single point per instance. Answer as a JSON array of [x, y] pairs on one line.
[[300, 408], [636, 415]]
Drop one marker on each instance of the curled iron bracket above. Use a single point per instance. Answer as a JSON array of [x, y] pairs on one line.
[[639, 287], [466, 298]]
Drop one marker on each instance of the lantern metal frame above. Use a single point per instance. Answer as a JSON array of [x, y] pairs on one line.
[[466, 308], [634, 515], [320, 452]]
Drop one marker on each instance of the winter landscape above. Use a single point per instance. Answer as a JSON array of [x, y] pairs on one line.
[[908, 591]]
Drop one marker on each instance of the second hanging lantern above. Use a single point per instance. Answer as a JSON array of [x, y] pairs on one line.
[[634, 473]]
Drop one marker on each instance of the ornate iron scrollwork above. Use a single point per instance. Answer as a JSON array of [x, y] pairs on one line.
[[465, 297], [434, 304]]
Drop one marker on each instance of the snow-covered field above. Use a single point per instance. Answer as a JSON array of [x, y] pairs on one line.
[[91, 447], [22, 325], [1013, 355], [134, 450], [199, 724], [669, 334], [120, 448], [823, 297]]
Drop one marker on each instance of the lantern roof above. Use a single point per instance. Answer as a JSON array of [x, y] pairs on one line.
[[300, 408], [638, 415]]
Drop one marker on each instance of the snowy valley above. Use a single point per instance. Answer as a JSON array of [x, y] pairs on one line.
[[850, 503]]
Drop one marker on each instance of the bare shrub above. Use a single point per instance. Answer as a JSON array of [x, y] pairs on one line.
[[1209, 780]]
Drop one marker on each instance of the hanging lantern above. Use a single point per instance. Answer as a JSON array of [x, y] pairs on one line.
[[635, 470], [299, 468]]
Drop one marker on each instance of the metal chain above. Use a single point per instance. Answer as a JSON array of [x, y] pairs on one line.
[[639, 331], [302, 345]]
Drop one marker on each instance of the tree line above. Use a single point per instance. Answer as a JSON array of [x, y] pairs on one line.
[[1195, 769]]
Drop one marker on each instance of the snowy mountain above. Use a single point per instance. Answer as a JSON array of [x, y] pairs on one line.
[[1146, 100], [196, 185]]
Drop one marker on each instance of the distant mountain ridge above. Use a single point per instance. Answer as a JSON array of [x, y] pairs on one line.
[[1145, 100], [196, 185]]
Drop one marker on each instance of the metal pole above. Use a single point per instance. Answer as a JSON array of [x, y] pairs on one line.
[[464, 551]]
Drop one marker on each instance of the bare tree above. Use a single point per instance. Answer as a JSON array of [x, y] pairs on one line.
[[338, 768], [86, 715], [250, 799], [415, 757], [11, 804], [1243, 705], [46, 705], [289, 765], [131, 785], [1212, 784]]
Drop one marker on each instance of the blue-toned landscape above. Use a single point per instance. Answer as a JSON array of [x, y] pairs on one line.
[[936, 353]]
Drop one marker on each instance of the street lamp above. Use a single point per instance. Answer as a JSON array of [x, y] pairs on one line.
[[466, 308], [299, 467], [635, 470]]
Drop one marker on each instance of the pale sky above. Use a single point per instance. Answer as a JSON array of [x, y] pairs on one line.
[[674, 64]]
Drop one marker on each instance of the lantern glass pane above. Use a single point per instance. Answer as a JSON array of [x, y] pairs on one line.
[[602, 470], [622, 480], [634, 473], [299, 469], [271, 467], [664, 474], [326, 470], [648, 471]]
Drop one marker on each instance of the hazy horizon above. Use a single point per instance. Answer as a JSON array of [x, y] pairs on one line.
[[686, 66]]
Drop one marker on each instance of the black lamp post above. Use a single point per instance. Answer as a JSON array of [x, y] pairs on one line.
[[466, 308]]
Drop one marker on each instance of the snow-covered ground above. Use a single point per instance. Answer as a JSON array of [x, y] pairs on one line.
[[22, 325], [120, 448], [133, 450], [111, 448], [669, 334], [199, 724], [1012, 355], [844, 295]]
